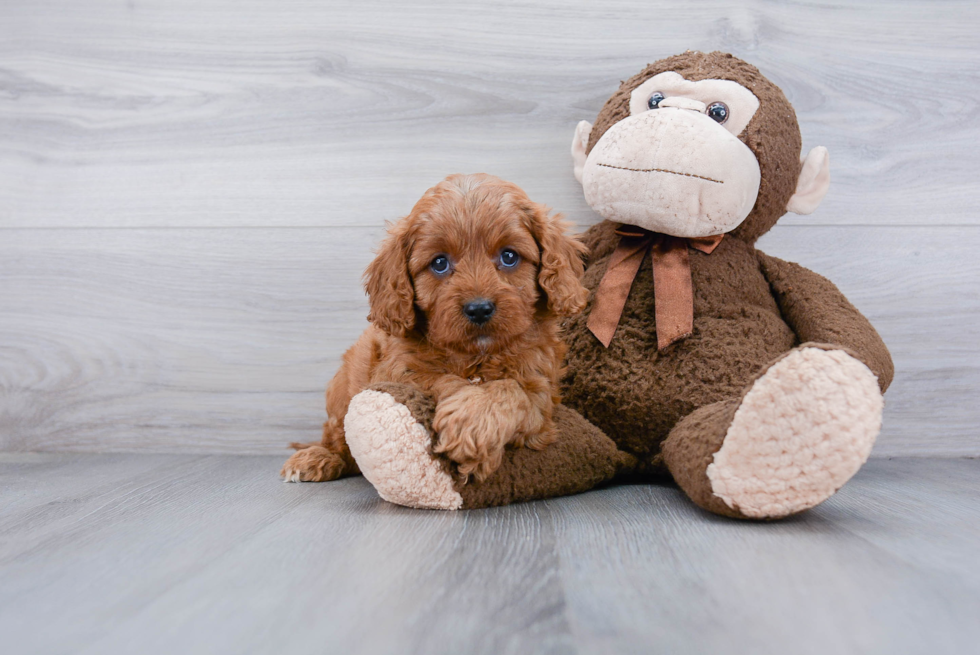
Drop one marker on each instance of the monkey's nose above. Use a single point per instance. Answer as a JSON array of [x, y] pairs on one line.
[[683, 103], [479, 311]]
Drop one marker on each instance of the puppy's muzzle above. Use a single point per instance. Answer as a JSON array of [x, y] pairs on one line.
[[479, 311]]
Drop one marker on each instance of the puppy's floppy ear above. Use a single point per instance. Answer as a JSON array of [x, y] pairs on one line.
[[561, 269], [389, 285]]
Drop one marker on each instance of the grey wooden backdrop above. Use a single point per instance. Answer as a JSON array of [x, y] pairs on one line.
[[189, 191]]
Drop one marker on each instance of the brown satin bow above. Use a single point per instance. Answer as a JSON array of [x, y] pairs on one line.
[[672, 289]]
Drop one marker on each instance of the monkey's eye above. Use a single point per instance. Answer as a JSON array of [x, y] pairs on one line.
[[655, 100], [440, 265], [509, 258], [718, 111]]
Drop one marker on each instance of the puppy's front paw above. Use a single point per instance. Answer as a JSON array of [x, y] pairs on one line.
[[313, 464], [470, 434]]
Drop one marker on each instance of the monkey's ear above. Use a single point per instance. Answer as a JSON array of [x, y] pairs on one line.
[[389, 287], [813, 183], [561, 268], [580, 141]]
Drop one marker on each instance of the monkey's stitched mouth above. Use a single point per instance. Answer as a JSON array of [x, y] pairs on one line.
[[661, 170]]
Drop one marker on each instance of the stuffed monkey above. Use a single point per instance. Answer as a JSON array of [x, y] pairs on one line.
[[751, 382]]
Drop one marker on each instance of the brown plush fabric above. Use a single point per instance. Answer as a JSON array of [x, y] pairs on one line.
[[582, 458], [749, 309], [690, 449], [636, 394], [773, 133], [817, 311]]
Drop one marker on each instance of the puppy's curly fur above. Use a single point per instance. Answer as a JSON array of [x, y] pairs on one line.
[[496, 382]]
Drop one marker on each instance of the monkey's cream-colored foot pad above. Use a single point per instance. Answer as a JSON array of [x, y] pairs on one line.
[[803, 430], [394, 453]]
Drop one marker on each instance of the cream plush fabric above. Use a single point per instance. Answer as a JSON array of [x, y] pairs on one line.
[[800, 433], [654, 171], [393, 452]]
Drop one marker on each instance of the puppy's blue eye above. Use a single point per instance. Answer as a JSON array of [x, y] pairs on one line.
[[440, 265], [655, 100], [509, 258]]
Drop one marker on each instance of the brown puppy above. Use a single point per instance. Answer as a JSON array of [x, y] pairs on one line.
[[465, 293]]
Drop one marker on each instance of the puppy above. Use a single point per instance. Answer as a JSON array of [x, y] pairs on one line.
[[465, 295]]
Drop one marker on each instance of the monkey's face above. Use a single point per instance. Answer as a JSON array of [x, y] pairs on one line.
[[676, 164]]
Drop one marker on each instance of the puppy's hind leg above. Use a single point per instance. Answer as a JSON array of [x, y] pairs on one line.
[[328, 460], [331, 458]]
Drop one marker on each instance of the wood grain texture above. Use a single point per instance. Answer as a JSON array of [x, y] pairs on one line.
[[190, 190], [183, 554], [296, 113], [222, 340]]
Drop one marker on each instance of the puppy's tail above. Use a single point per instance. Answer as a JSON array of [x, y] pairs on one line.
[[295, 445]]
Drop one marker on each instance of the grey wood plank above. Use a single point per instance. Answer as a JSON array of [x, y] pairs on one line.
[[674, 579], [222, 340], [46, 487], [72, 517], [230, 335], [394, 583], [330, 113], [928, 520], [216, 556], [225, 543], [122, 549]]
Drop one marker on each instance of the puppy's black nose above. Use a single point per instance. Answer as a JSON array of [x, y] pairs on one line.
[[479, 311]]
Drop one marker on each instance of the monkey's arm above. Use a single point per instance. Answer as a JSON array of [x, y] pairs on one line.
[[817, 311]]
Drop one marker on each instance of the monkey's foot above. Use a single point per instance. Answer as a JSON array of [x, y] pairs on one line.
[[388, 429], [801, 431], [392, 445]]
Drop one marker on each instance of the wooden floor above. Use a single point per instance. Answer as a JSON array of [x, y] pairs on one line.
[[213, 554]]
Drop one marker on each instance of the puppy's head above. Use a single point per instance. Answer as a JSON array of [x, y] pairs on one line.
[[473, 266]]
